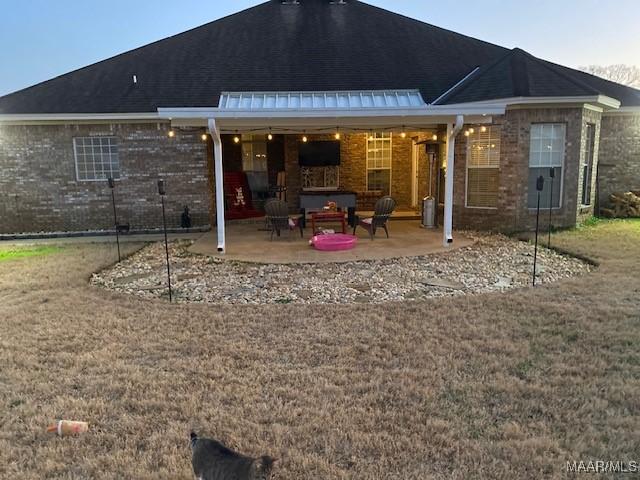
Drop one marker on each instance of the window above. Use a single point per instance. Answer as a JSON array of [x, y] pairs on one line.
[[379, 162], [546, 152], [254, 163], [587, 166], [254, 153], [96, 158], [483, 167]]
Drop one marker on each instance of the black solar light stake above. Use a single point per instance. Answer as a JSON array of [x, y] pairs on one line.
[[112, 186], [162, 193], [539, 187], [552, 173]]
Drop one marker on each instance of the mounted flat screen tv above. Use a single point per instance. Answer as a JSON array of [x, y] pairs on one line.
[[319, 154]]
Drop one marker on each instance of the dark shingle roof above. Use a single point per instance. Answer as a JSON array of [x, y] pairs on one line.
[[520, 74], [316, 45], [517, 74]]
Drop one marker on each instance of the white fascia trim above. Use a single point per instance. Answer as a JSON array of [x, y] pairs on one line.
[[602, 100], [431, 110], [184, 112], [77, 117], [624, 111]]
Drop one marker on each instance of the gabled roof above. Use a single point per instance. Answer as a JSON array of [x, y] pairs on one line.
[[317, 45]]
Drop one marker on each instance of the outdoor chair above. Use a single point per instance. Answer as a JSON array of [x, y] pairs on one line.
[[382, 211], [278, 218]]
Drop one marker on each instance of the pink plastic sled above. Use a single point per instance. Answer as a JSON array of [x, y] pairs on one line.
[[334, 242]]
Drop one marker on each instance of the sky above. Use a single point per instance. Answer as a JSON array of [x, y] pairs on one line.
[[42, 39]]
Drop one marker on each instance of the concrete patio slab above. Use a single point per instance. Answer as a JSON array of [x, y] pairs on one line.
[[246, 243]]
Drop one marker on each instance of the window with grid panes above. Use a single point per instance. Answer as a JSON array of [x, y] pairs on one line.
[[379, 162], [546, 152], [483, 167], [96, 158]]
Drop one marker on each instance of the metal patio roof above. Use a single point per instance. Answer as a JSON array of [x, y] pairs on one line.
[[322, 100]]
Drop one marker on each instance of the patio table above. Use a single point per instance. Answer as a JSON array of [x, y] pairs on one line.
[[328, 217], [310, 200]]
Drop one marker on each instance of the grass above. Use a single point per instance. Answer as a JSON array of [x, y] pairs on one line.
[[25, 252], [499, 386]]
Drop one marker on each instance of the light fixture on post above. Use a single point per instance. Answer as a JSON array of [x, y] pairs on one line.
[[337, 135], [112, 186], [269, 135], [236, 138], [403, 133], [304, 137], [539, 188], [162, 192], [552, 174], [204, 137], [171, 133]]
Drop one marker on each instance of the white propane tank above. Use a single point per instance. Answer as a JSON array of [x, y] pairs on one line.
[[428, 212]]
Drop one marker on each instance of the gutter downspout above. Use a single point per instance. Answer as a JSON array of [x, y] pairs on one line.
[[219, 180], [452, 131]]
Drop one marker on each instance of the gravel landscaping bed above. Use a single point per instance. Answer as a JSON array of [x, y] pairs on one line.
[[492, 263]]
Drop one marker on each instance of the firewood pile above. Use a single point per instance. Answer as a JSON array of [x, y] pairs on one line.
[[623, 205]]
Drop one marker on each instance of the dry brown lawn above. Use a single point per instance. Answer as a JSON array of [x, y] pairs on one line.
[[506, 385]]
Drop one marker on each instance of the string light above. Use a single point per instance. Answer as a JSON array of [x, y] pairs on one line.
[[370, 134]]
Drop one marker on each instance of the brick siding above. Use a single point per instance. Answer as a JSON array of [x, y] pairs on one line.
[[39, 190], [512, 213], [353, 165], [619, 155]]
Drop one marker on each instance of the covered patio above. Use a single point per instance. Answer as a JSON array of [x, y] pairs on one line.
[[341, 116], [245, 243]]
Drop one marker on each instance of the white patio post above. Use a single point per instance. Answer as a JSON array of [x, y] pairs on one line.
[[219, 177], [452, 131]]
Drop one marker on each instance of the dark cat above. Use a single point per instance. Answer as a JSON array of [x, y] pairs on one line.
[[213, 461]]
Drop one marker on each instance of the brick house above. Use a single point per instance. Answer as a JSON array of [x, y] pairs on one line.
[[412, 109]]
